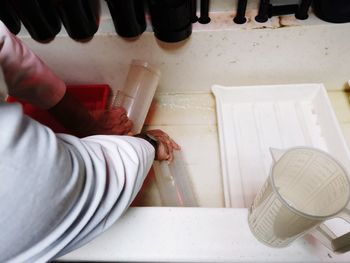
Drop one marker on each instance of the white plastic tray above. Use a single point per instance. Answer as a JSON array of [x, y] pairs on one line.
[[252, 119]]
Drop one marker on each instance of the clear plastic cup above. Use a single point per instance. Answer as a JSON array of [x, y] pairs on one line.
[[138, 92], [305, 188]]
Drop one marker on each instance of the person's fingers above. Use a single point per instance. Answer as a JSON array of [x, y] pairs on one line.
[[175, 145], [166, 145], [113, 122], [119, 110], [169, 146], [162, 152], [124, 119], [128, 126], [106, 123], [122, 129], [119, 118], [117, 115], [171, 143], [171, 158], [165, 136], [104, 119], [156, 133]]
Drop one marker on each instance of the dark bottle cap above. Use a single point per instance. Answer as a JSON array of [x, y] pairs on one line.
[[335, 11], [39, 17], [80, 17], [174, 36], [303, 9], [171, 19], [128, 17], [9, 17]]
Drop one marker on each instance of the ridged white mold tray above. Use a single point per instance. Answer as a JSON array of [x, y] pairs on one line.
[[252, 119]]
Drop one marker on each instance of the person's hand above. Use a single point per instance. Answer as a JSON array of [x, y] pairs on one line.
[[165, 147], [81, 122], [111, 122]]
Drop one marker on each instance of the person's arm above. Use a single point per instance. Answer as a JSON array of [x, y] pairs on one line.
[[82, 123], [27, 77], [44, 181], [67, 188], [128, 159], [89, 183]]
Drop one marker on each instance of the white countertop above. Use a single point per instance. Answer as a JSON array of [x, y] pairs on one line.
[[193, 235]]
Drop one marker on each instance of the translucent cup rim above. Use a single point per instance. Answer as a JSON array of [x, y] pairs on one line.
[[284, 200], [146, 65]]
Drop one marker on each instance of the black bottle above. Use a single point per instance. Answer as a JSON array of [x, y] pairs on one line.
[[80, 17], [9, 17], [39, 17], [128, 17], [335, 11], [171, 19]]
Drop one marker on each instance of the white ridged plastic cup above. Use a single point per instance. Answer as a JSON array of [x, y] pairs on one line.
[[305, 187]]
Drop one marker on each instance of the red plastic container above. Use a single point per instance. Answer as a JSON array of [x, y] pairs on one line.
[[93, 97]]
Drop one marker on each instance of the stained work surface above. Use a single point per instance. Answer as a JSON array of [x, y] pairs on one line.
[[191, 120]]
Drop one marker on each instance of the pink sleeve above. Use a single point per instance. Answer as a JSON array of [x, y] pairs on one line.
[[27, 77]]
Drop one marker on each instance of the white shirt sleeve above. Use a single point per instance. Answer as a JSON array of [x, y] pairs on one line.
[[57, 192], [27, 77]]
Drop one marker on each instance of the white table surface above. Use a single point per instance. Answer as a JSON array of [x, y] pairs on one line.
[[193, 235]]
